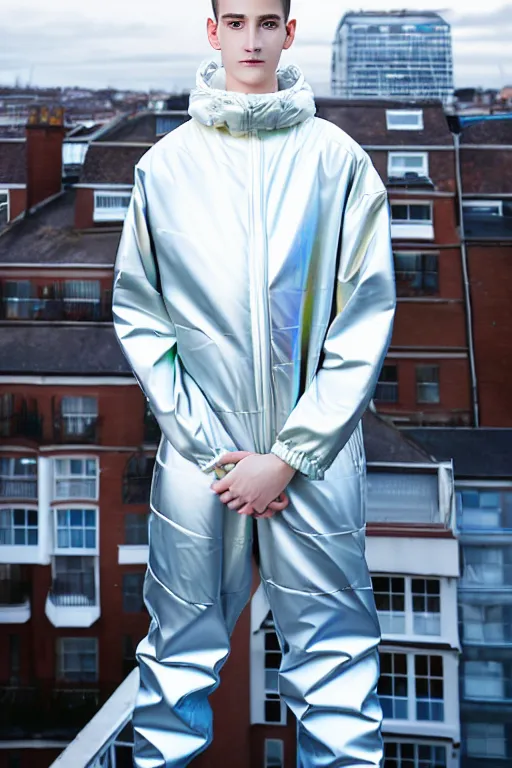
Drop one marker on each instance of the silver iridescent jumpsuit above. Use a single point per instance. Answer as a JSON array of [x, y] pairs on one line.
[[254, 299]]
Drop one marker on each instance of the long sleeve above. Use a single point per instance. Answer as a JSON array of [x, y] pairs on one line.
[[357, 340], [147, 337]]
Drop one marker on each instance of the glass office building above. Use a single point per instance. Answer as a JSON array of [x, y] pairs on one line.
[[397, 55]]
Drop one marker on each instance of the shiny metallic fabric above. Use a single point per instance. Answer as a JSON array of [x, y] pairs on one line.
[[254, 299]]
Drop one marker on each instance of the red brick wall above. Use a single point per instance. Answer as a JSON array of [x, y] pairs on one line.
[[454, 386], [17, 202], [491, 295], [427, 324], [84, 208], [44, 162]]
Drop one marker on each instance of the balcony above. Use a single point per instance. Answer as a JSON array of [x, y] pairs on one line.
[[52, 711], [55, 310], [72, 600], [76, 430], [410, 180], [18, 487], [14, 601], [105, 740], [22, 424]]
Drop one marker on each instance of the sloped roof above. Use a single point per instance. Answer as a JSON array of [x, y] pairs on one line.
[[47, 236], [483, 452], [50, 348], [13, 162], [384, 442]]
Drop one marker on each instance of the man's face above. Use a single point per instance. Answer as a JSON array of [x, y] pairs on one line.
[[251, 31]]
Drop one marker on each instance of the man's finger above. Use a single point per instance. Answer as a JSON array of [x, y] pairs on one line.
[[233, 457], [219, 486], [279, 504], [236, 503], [226, 496]]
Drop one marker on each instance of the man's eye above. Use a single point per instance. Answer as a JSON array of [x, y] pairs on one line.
[[235, 22]]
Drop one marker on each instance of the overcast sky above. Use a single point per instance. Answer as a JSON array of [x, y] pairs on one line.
[[159, 43]]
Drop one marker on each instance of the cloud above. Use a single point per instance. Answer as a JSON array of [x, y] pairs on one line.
[[155, 44]]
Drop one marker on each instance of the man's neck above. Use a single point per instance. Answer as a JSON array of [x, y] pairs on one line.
[[232, 84]]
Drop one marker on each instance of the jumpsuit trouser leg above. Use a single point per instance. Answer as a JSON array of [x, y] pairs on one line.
[[319, 590], [197, 583]]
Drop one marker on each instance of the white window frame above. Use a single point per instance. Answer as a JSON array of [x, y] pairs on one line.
[[69, 478], [83, 528], [392, 114], [82, 417], [412, 698], [489, 631], [8, 511], [412, 229], [498, 680], [76, 646], [56, 559], [7, 203], [409, 615], [110, 213], [409, 203], [416, 745], [475, 742], [26, 481], [394, 172], [498, 204], [428, 386], [269, 762]]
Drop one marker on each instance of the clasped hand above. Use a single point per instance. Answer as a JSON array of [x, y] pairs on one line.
[[256, 485]]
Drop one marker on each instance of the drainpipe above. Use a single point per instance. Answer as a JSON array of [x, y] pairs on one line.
[[467, 290]]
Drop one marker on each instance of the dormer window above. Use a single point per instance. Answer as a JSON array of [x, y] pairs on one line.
[[110, 205], [404, 165], [404, 119]]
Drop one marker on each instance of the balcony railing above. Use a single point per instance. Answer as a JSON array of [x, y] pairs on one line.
[[77, 488], [96, 746], [48, 310], [18, 488], [30, 710], [151, 428], [14, 592], [24, 424], [77, 429], [73, 590]]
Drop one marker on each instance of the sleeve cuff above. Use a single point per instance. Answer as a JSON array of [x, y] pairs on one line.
[[298, 460]]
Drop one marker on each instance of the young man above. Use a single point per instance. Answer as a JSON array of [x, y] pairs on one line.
[[254, 299]]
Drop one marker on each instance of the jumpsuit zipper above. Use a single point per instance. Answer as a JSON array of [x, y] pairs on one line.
[[260, 314]]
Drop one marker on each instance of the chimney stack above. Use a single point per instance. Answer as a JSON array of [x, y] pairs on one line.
[[45, 135]]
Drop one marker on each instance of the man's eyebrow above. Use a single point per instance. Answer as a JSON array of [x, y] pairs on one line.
[[241, 16]]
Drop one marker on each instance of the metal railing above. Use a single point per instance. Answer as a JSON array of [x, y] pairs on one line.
[[14, 592], [77, 429], [73, 590], [23, 424], [18, 488], [94, 746], [47, 310]]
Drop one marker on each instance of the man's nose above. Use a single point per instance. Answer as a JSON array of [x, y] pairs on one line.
[[253, 38]]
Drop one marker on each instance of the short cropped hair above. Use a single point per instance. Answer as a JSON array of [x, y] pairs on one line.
[[285, 3]]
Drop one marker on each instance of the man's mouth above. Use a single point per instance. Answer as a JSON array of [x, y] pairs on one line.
[[252, 61]]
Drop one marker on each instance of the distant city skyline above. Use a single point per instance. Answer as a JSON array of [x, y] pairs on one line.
[[150, 45]]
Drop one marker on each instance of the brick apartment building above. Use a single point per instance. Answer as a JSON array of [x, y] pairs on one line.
[[75, 472], [426, 377]]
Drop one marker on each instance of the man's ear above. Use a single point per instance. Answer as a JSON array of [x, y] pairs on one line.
[[212, 32]]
